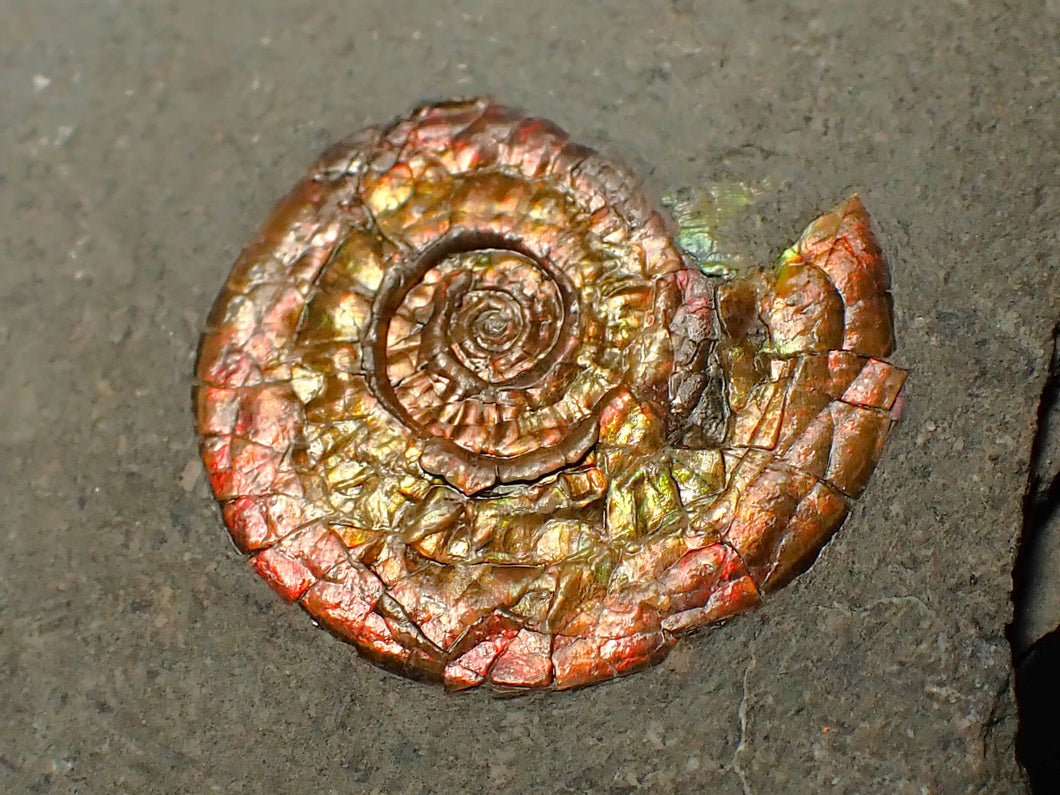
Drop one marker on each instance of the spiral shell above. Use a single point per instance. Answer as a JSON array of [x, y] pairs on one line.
[[465, 400]]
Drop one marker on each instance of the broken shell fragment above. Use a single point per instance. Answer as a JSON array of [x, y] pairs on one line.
[[466, 401]]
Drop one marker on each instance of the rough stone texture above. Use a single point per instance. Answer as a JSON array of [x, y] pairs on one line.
[[143, 143]]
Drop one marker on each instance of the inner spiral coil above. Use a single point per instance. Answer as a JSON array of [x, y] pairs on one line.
[[506, 318]]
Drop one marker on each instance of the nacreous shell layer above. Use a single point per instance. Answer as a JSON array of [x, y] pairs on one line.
[[465, 400]]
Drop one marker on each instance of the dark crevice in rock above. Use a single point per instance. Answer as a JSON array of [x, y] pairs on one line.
[[1037, 659]]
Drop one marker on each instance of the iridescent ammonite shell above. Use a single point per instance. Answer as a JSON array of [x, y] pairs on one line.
[[466, 401]]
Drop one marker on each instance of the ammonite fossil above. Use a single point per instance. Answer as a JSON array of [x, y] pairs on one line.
[[466, 401]]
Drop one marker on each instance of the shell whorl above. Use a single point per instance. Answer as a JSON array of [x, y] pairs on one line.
[[464, 399]]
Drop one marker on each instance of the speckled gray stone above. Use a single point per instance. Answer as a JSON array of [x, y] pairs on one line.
[[142, 144]]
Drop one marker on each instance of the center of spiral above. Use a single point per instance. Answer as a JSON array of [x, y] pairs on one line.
[[496, 328], [477, 352], [490, 317], [488, 323]]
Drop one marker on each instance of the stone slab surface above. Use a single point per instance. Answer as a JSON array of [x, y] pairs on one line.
[[141, 145]]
